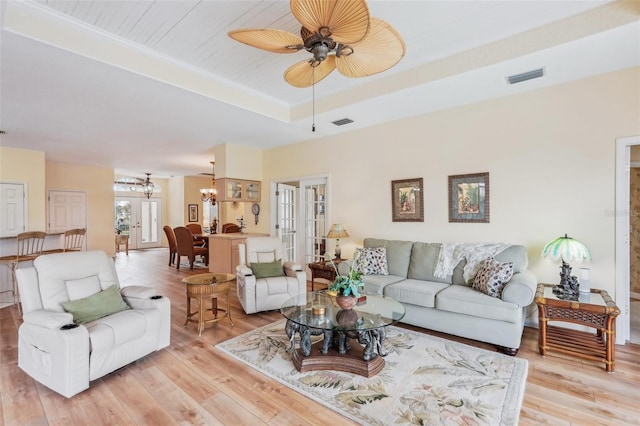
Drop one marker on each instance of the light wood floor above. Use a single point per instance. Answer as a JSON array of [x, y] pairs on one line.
[[192, 383]]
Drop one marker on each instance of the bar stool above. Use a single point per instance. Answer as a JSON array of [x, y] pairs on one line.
[[74, 239], [30, 246]]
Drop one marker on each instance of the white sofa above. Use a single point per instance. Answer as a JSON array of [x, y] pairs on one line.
[[264, 294], [450, 305], [66, 360]]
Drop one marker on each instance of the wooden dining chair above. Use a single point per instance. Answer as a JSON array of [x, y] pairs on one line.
[[171, 238], [230, 228], [195, 228], [184, 243]]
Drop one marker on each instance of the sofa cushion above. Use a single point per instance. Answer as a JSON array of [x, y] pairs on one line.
[[492, 277], [398, 254], [372, 261], [423, 262], [465, 300], [415, 292], [517, 254], [376, 283], [96, 306]]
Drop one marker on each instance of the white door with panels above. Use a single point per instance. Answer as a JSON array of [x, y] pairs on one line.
[[140, 219], [12, 209], [67, 210]]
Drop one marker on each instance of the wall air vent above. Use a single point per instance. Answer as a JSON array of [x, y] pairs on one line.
[[529, 75], [342, 121]]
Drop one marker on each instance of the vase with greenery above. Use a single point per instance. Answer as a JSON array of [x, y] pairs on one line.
[[347, 286]]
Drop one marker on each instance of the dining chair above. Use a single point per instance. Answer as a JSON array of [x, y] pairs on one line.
[[171, 238], [184, 243], [230, 228], [29, 247], [195, 228], [74, 239]]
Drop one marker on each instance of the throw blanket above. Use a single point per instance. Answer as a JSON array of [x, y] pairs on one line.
[[452, 253]]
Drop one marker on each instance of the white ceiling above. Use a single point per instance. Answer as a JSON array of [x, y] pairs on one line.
[[153, 86]]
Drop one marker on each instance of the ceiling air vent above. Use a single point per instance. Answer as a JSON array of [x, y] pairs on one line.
[[529, 75], [342, 121]]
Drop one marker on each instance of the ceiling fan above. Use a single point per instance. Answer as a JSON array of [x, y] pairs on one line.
[[338, 33]]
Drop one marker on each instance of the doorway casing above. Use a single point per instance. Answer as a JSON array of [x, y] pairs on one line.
[[622, 233]]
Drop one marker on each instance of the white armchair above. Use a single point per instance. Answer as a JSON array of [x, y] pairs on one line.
[[261, 285], [65, 356]]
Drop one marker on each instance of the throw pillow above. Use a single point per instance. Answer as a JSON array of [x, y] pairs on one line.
[[372, 261], [492, 277], [101, 304], [268, 269]]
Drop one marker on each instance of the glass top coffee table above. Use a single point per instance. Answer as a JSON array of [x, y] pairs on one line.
[[317, 313]]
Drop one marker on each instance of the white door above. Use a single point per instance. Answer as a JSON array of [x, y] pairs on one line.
[[314, 202], [287, 224], [302, 205], [67, 210], [140, 219], [12, 209]]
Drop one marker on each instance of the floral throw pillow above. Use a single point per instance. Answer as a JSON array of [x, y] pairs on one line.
[[372, 261], [492, 277]]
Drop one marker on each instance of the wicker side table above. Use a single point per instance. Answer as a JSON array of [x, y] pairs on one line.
[[596, 310], [207, 286]]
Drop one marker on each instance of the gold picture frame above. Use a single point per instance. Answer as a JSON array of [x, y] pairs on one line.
[[469, 198], [407, 200]]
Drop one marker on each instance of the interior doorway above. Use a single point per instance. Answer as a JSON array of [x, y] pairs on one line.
[[634, 246], [13, 199], [140, 219], [299, 217], [623, 236]]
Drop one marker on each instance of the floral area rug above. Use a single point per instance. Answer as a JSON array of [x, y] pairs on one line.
[[426, 380]]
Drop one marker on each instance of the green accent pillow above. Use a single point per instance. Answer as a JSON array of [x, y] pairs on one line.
[[268, 269], [101, 304]]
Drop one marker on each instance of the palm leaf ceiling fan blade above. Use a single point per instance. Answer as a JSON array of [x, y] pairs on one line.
[[303, 74], [277, 41], [381, 49], [346, 20]]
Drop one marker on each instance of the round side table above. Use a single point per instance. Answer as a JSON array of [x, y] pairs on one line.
[[207, 286]]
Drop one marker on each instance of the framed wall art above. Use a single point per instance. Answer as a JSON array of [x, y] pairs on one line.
[[407, 202], [193, 212], [469, 198]]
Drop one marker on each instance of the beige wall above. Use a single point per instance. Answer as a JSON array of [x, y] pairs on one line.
[[26, 166], [100, 198], [550, 155]]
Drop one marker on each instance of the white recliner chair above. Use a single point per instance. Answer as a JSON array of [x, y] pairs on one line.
[[264, 280], [66, 356]]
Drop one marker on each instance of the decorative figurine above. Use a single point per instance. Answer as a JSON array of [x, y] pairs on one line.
[[568, 288]]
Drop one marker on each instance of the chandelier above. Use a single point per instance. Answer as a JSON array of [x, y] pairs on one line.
[[147, 187], [209, 194]]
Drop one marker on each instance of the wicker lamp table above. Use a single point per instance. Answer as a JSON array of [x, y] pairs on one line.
[[596, 310], [207, 286]]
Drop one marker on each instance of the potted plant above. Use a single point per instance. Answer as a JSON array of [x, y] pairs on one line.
[[346, 288]]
